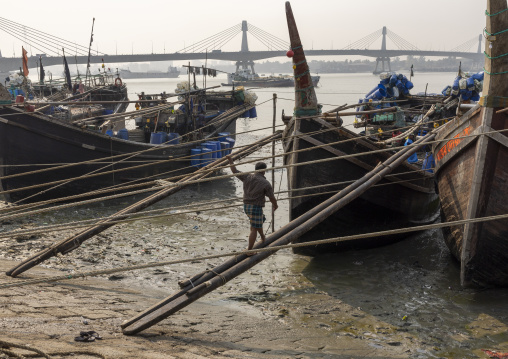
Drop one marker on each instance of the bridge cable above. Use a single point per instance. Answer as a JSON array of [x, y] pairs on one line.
[[236, 28], [355, 45], [40, 34]]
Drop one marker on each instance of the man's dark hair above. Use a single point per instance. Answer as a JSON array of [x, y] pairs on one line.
[[260, 166]]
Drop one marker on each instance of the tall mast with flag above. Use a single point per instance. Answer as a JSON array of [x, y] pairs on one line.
[[42, 73], [89, 53], [25, 61], [67, 72]]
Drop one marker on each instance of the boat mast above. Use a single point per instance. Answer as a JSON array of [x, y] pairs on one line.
[[305, 96], [89, 53], [495, 82]]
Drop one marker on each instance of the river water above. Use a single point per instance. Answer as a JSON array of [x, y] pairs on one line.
[[412, 285]]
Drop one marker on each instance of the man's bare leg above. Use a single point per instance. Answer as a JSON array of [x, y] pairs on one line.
[[260, 231], [252, 237]]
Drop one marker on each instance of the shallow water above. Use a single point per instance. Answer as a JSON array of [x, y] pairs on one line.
[[412, 285]]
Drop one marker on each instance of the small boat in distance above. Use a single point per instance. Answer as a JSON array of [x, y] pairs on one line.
[[472, 168], [128, 74], [248, 78]]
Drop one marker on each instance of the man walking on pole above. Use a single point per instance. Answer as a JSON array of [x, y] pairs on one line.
[[255, 188]]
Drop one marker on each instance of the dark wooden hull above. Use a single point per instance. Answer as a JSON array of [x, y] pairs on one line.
[[30, 142], [389, 205], [472, 175]]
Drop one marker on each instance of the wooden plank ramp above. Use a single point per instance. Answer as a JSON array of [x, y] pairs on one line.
[[207, 281], [69, 244]]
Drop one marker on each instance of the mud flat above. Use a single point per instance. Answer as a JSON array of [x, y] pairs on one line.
[[272, 311]]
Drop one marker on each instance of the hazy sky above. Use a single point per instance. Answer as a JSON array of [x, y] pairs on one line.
[[126, 25]]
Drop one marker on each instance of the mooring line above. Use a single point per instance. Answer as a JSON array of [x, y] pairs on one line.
[[181, 176], [391, 149], [21, 283], [95, 221]]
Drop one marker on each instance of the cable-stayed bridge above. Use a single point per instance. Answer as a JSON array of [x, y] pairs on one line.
[[211, 48]]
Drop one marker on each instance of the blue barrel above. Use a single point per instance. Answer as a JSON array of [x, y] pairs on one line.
[[222, 136], [378, 94], [210, 146], [231, 144], [253, 113], [456, 83], [409, 85], [224, 148], [475, 97], [156, 138], [466, 95], [107, 112], [447, 90], [246, 114], [389, 92], [109, 133], [123, 134], [478, 76], [217, 153], [393, 80], [206, 156], [470, 84], [173, 138], [195, 157], [379, 86]]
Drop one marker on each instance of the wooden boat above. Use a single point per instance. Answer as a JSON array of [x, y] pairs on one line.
[[472, 168], [405, 198], [30, 141]]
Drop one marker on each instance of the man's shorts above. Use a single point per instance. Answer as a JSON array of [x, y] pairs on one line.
[[255, 214]]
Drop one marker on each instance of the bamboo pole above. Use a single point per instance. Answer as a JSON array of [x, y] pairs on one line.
[[67, 245], [273, 154], [212, 279]]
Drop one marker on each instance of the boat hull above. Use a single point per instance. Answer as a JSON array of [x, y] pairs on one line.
[[472, 175], [389, 205], [30, 142]]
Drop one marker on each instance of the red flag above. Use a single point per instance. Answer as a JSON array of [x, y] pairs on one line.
[[25, 61]]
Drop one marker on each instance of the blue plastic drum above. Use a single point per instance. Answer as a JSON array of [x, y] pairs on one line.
[[195, 157]]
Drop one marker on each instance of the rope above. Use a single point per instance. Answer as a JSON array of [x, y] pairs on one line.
[[22, 283], [494, 73], [255, 160], [495, 33], [211, 179], [495, 57], [497, 13], [24, 347], [93, 221]]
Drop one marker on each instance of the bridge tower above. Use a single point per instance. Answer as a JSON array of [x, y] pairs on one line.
[[245, 49], [477, 65], [383, 59]]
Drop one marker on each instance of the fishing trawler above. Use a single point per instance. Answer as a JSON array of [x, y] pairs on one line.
[[43, 157]]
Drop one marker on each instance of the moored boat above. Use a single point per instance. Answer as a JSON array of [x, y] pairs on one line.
[[472, 168], [172, 72], [31, 141], [404, 198], [248, 78]]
